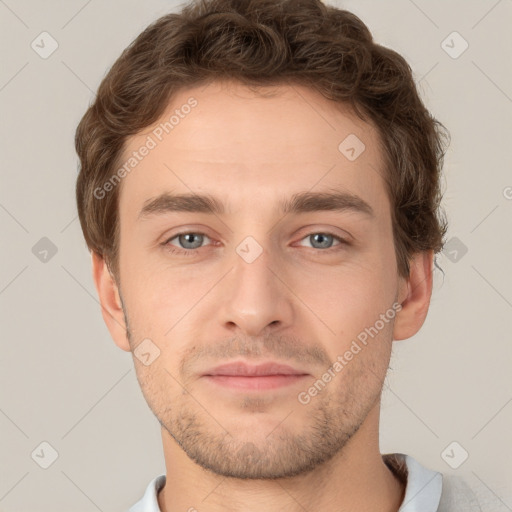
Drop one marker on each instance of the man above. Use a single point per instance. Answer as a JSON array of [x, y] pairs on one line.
[[259, 188]]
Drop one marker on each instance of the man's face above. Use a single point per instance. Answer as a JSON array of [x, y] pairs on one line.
[[255, 284]]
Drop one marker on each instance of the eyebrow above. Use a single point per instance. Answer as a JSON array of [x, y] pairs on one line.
[[300, 202]]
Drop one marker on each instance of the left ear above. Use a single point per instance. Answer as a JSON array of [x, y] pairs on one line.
[[414, 295]]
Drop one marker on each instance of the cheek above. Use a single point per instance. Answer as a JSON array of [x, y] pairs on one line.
[[355, 288], [349, 301], [168, 307]]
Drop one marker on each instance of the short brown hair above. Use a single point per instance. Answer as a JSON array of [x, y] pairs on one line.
[[258, 43]]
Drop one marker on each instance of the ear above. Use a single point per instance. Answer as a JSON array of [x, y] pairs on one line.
[[110, 301], [414, 295]]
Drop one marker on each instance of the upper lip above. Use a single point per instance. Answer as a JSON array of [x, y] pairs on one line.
[[243, 369]]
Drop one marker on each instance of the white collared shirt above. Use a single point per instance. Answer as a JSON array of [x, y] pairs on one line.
[[426, 491]]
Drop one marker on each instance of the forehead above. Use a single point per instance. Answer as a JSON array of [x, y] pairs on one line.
[[249, 149]]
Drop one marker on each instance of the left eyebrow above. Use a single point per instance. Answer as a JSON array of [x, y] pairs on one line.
[[326, 201], [301, 202]]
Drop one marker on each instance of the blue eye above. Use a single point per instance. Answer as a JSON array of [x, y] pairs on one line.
[[190, 241], [324, 240]]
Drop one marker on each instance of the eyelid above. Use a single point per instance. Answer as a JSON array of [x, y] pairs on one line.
[[312, 229], [168, 239], [339, 238], [178, 250], [195, 230]]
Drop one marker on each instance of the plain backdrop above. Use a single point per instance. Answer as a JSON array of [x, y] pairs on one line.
[[65, 384]]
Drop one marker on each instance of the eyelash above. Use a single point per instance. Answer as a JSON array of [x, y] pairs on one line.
[[192, 252]]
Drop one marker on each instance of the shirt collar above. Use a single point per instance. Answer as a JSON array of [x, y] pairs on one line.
[[422, 491], [423, 485]]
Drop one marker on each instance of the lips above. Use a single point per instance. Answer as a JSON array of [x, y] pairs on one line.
[[241, 369], [239, 376]]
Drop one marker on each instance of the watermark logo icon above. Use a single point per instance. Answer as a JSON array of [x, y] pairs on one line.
[[146, 352], [454, 455], [455, 249], [44, 45], [249, 249], [454, 45], [44, 250], [351, 147], [44, 455]]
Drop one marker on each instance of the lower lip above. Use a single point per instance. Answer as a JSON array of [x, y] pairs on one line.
[[255, 383]]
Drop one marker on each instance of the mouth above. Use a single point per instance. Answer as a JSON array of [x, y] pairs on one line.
[[242, 376]]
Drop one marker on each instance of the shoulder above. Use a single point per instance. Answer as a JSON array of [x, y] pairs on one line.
[[427, 490], [469, 493]]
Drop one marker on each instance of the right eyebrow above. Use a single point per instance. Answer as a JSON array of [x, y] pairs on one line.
[[166, 202]]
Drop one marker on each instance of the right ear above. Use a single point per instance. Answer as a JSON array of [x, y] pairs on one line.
[[110, 301]]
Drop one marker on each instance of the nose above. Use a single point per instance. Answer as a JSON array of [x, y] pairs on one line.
[[255, 297]]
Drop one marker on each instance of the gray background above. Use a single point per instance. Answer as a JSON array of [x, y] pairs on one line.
[[62, 379]]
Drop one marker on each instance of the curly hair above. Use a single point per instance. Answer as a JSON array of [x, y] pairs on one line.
[[259, 43]]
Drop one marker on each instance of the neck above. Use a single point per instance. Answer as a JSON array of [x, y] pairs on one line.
[[356, 478]]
